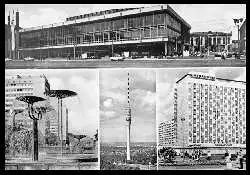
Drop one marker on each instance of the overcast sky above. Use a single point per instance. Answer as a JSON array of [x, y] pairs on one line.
[[202, 17], [83, 108], [113, 101], [166, 79]]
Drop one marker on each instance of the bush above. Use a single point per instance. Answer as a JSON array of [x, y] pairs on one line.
[[168, 154]]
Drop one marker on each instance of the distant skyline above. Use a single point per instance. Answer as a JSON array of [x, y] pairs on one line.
[[83, 108], [113, 101], [166, 79], [202, 17]]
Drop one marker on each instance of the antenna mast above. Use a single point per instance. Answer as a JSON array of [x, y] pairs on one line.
[[128, 119]]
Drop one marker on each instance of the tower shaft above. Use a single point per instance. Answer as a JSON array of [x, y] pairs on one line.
[[128, 119]]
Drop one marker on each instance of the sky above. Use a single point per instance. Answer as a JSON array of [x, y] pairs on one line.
[[84, 108], [202, 17], [113, 102], [166, 79]]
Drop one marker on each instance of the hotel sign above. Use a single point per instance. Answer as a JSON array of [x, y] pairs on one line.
[[205, 77], [223, 144]]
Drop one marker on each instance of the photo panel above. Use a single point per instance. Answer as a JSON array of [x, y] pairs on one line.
[[52, 117], [127, 119], [201, 118]]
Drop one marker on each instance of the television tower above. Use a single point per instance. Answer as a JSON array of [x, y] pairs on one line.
[[128, 119]]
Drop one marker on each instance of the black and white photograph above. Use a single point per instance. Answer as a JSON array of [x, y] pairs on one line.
[[125, 86], [127, 119], [125, 35], [51, 119], [201, 116]]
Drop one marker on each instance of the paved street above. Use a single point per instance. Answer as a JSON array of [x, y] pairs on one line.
[[139, 63]]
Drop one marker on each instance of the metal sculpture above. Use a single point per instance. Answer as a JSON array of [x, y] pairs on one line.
[[30, 100], [60, 94]]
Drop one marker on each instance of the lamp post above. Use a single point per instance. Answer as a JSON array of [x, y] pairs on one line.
[[182, 120], [60, 94], [30, 100], [237, 23]]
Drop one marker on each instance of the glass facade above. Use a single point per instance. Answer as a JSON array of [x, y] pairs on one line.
[[116, 30]]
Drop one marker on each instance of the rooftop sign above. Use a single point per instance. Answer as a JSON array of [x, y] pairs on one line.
[[200, 76]]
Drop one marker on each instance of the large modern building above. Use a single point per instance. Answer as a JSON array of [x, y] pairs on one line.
[[147, 31], [166, 133], [243, 37], [209, 112], [18, 85], [212, 41]]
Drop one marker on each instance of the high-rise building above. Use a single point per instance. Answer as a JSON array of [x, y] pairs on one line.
[[16, 86], [166, 133], [210, 111]]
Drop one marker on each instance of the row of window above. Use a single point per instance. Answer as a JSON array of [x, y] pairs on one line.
[[17, 95], [17, 84], [18, 89]]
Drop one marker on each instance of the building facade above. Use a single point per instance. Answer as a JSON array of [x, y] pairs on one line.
[[12, 35], [212, 41], [243, 38], [166, 133], [210, 112], [149, 31]]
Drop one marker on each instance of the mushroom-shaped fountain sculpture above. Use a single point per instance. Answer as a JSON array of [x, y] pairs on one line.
[[60, 94], [30, 100]]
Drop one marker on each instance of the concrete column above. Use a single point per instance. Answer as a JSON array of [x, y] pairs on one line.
[[128, 142]]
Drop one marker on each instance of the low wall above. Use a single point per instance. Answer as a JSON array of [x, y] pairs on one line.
[[51, 166]]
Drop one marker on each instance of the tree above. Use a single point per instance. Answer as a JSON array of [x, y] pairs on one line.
[[168, 154], [52, 139]]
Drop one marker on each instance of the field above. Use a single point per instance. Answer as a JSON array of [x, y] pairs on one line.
[[114, 157]]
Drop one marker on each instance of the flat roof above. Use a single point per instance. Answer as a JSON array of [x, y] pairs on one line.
[[112, 15], [223, 79]]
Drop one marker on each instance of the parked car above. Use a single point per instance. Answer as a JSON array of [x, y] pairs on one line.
[[29, 59], [8, 59], [117, 58]]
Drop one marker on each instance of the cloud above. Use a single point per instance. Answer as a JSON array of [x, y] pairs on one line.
[[115, 96], [44, 16], [108, 103], [56, 83], [108, 114]]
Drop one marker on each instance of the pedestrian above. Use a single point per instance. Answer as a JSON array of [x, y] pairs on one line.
[[240, 159], [209, 156]]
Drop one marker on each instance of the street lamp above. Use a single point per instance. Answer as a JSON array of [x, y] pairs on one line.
[[30, 100], [237, 23], [182, 120], [60, 94]]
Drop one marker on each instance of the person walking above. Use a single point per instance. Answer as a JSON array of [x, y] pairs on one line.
[[209, 156], [240, 157]]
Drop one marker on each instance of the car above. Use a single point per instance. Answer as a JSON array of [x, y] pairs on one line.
[[29, 59], [117, 58], [8, 59]]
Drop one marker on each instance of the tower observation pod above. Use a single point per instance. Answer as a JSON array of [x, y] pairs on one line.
[[128, 119]]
